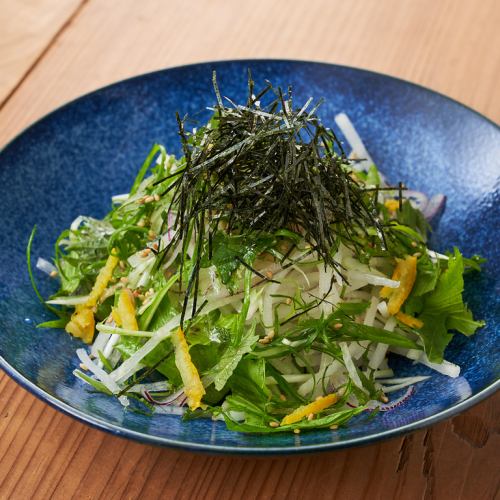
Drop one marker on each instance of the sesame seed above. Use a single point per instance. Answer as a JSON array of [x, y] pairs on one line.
[[53, 274], [122, 265], [270, 335], [384, 399], [310, 416], [274, 424], [151, 234], [156, 197], [288, 301], [264, 340], [141, 223], [413, 244], [334, 427], [282, 397], [337, 326], [149, 199], [296, 431], [124, 279], [417, 254], [84, 367], [141, 201]]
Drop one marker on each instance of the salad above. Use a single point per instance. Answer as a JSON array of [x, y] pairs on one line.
[[262, 278]]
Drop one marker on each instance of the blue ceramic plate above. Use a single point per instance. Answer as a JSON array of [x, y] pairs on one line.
[[73, 161]]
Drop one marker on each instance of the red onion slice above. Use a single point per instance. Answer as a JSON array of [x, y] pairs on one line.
[[176, 399], [399, 401]]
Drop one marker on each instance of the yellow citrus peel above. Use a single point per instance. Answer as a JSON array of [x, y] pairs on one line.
[[82, 322], [124, 313], [406, 273], [315, 407], [391, 205], [193, 387], [408, 320]]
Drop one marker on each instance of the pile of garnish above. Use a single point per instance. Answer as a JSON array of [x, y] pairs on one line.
[[262, 278]]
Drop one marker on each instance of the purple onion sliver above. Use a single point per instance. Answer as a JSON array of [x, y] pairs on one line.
[[398, 402], [417, 199], [177, 399], [435, 206]]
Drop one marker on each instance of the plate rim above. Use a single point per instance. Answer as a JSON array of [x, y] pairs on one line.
[[117, 430], [141, 437]]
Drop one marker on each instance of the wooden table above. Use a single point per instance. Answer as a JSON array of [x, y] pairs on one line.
[[54, 50]]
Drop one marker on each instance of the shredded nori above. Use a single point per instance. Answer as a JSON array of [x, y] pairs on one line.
[[260, 168]]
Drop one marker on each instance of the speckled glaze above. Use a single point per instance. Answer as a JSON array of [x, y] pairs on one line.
[[72, 162]]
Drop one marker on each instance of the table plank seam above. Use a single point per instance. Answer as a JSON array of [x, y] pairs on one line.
[[44, 52]]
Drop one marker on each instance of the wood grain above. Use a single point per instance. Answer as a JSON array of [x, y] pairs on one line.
[[449, 45], [28, 29]]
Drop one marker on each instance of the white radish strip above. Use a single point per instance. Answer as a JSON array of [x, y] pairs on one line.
[[355, 285], [304, 275], [114, 357], [101, 375], [382, 308], [354, 140], [137, 259], [122, 331], [325, 279], [267, 301], [76, 223], [99, 343], [372, 279], [151, 387], [173, 256], [108, 349], [383, 373], [146, 274], [411, 381], [119, 198], [380, 351], [414, 354], [68, 301], [307, 386], [435, 256], [133, 364], [255, 299], [357, 349], [446, 367], [371, 312], [338, 257], [143, 267], [45, 266], [349, 364], [294, 378], [403, 380]]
